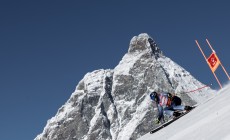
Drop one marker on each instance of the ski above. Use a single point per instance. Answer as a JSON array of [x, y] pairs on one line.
[[170, 121]]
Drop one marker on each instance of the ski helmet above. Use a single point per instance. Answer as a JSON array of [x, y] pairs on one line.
[[153, 95]]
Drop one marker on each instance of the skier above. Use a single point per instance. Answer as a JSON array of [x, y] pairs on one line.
[[167, 104]]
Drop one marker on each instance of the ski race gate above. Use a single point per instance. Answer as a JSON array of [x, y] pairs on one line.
[[213, 61]]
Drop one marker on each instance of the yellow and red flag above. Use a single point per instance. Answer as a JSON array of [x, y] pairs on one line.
[[213, 62]]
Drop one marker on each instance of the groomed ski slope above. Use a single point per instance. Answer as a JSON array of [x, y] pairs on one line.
[[208, 121]]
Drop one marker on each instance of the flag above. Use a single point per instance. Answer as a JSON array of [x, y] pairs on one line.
[[213, 62]]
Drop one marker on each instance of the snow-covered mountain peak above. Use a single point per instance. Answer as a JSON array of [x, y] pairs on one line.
[[139, 43], [143, 43], [114, 104], [139, 48]]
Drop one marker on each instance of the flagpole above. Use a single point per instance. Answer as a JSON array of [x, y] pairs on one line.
[[207, 62], [219, 59], [201, 50], [210, 46], [224, 70], [217, 79]]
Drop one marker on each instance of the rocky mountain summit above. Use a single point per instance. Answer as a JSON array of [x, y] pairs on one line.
[[114, 104]]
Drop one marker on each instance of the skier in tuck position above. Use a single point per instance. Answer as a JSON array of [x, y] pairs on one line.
[[167, 104]]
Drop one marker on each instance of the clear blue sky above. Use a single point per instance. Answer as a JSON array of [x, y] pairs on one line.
[[46, 47]]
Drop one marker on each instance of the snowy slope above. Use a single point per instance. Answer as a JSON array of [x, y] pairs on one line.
[[209, 121]]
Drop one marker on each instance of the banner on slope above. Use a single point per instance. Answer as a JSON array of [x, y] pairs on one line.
[[213, 62]]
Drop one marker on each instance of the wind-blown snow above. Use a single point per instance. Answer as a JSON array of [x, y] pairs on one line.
[[208, 121]]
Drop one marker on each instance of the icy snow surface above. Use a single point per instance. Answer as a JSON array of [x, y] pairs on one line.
[[209, 121]]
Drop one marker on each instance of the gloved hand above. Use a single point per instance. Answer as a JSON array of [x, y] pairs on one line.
[[157, 121], [170, 95]]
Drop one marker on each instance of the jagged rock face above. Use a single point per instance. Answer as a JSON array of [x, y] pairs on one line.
[[115, 104]]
